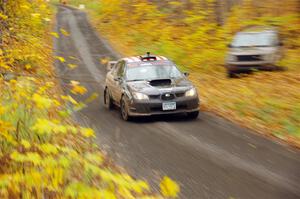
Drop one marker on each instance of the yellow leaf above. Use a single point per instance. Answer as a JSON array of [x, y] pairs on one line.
[[25, 7], [96, 158], [72, 66], [2, 109], [5, 66], [15, 155], [69, 99], [104, 60], [60, 129], [43, 126], [87, 132], [72, 129], [77, 89], [8, 137], [57, 103], [33, 157], [64, 32], [169, 188], [74, 58], [92, 97], [36, 15], [26, 144], [55, 34], [27, 66], [47, 19], [61, 59], [2, 16], [48, 148], [74, 83], [42, 102], [108, 194]]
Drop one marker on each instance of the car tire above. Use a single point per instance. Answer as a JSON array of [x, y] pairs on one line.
[[124, 110], [231, 74], [193, 115], [108, 100]]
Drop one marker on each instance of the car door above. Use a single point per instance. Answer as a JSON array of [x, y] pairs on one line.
[[118, 81], [110, 80]]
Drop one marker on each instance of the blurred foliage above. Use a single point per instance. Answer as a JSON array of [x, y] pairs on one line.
[[194, 33], [43, 154]]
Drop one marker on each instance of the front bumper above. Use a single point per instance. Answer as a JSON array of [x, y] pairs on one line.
[[154, 107], [248, 65]]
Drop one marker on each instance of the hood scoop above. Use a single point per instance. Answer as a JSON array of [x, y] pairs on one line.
[[160, 82]]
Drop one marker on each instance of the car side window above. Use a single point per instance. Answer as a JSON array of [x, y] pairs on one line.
[[116, 69], [120, 69]]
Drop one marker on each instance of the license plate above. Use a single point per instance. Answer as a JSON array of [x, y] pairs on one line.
[[167, 106]]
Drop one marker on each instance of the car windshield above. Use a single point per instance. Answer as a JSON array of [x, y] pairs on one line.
[[151, 71], [254, 39]]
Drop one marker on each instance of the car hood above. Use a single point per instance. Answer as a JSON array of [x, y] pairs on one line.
[[175, 85], [252, 50]]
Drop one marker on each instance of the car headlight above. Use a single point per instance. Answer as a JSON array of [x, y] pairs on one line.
[[231, 58], [191, 93], [140, 96]]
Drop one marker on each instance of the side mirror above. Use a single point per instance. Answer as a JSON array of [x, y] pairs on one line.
[[186, 74], [110, 65], [229, 45], [118, 79]]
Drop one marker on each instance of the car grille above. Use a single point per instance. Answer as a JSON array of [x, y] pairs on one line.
[[164, 97], [154, 96], [167, 96], [180, 94], [249, 58]]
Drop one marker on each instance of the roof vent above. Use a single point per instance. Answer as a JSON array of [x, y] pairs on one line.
[[148, 57]]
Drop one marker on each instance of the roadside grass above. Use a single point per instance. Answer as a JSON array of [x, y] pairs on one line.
[[267, 102]]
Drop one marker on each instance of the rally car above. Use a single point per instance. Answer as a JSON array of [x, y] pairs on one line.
[[149, 85]]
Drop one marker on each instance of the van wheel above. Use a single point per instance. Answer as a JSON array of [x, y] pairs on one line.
[[231, 74], [107, 99]]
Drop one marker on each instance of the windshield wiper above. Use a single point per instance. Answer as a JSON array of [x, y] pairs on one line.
[[135, 80], [250, 46], [261, 46]]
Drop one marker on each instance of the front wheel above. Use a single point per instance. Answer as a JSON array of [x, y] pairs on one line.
[[124, 110], [107, 99], [231, 74], [193, 115]]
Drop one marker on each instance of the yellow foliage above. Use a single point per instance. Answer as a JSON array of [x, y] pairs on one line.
[[72, 66], [26, 144], [168, 187], [69, 99], [55, 34], [43, 153], [42, 102], [2, 16], [48, 148], [43, 126], [77, 89], [31, 157], [2, 109], [64, 32], [87, 132], [61, 59]]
